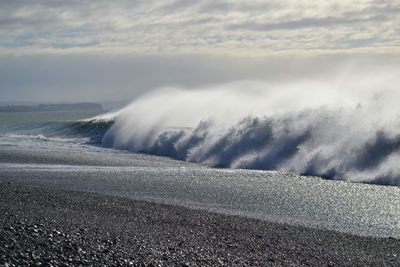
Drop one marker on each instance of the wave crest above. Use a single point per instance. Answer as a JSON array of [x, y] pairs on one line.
[[87, 131], [337, 134]]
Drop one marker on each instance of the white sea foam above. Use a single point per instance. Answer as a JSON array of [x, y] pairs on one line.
[[343, 128]]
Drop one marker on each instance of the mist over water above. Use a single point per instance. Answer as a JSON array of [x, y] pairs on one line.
[[345, 128]]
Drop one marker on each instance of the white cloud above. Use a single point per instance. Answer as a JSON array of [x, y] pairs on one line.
[[204, 25], [55, 49]]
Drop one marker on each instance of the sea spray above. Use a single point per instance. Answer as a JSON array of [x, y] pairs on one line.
[[345, 128]]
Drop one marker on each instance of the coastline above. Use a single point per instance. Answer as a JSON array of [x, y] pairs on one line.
[[54, 227]]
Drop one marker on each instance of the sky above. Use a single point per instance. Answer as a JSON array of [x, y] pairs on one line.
[[54, 50]]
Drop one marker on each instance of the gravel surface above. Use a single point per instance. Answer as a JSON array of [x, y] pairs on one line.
[[47, 227]]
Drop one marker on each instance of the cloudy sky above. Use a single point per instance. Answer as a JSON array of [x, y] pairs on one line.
[[53, 50]]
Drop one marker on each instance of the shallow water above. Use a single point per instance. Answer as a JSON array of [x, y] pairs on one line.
[[350, 207]]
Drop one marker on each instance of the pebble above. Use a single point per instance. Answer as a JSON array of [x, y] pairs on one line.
[[34, 234]]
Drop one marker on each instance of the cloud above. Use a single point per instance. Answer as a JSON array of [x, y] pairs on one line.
[[325, 22], [184, 26], [54, 49]]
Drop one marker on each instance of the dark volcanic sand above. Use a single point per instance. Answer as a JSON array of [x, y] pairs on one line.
[[60, 228]]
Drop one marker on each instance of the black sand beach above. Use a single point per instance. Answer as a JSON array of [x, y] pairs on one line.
[[51, 227]]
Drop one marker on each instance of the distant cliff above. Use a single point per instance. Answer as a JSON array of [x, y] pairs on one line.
[[54, 107]]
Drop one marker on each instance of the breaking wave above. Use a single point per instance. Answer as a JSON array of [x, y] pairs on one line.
[[336, 129], [343, 129]]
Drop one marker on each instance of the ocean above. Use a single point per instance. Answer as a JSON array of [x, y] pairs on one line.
[[71, 151]]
